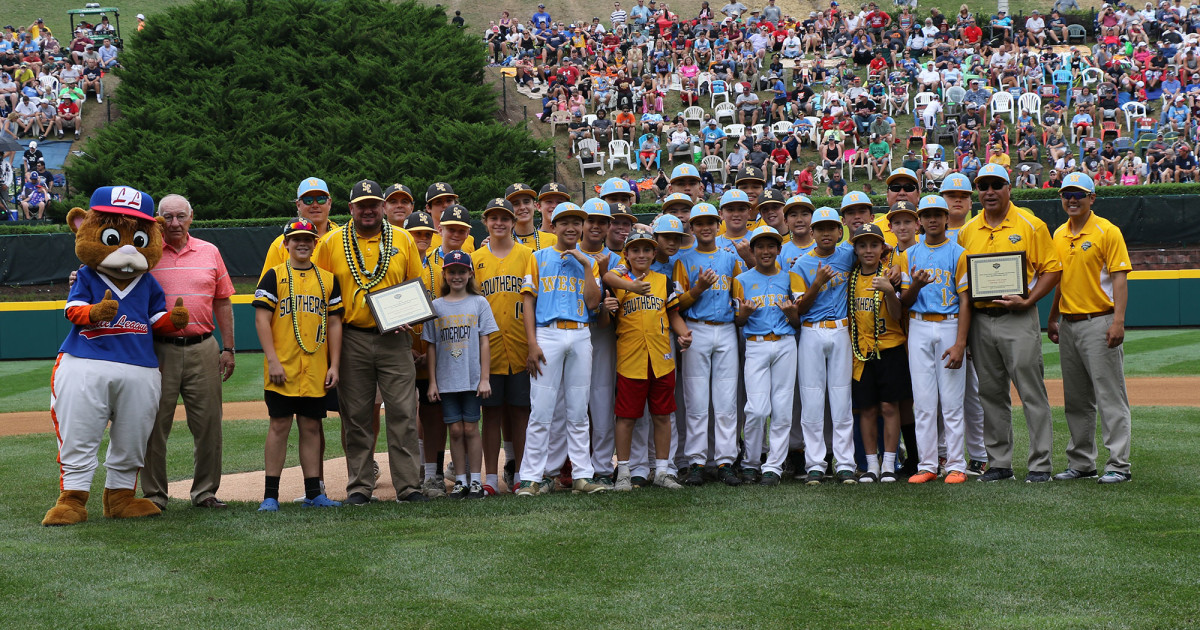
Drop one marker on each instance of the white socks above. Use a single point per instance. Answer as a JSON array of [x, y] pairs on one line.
[[889, 462]]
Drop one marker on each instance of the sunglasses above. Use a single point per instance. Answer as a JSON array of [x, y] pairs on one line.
[[309, 200], [993, 185], [1073, 195], [902, 187]]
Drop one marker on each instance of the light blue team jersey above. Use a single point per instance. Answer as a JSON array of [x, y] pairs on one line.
[[557, 283], [831, 302], [943, 263], [790, 252], [714, 304], [767, 293], [724, 242], [614, 261]]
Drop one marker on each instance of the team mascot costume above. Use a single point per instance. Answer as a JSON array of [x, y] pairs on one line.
[[106, 368]]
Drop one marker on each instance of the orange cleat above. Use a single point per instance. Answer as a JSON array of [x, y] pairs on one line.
[[956, 477], [922, 477]]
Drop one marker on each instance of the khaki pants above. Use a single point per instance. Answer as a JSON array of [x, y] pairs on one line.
[[1008, 349], [1094, 375], [370, 360], [191, 372]]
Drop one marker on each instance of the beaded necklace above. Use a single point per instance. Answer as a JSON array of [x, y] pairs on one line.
[[537, 239], [366, 280], [296, 319], [880, 325]]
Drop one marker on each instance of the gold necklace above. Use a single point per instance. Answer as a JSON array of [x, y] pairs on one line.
[[295, 307]]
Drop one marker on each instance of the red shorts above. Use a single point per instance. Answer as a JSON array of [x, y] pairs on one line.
[[634, 393]]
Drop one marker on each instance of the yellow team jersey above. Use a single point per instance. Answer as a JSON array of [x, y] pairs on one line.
[[1019, 231], [277, 254], [307, 302], [500, 281], [404, 263], [468, 245], [1088, 261], [862, 307], [643, 331], [537, 240]]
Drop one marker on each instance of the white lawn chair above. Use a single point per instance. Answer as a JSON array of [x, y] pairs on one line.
[[1002, 102], [596, 160], [676, 84], [715, 164], [922, 99], [1032, 103], [1092, 77], [724, 110], [559, 117], [693, 113], [588, 119], [735, 131], [1134, 110], [619, 150], [782, 128], [720, 91]]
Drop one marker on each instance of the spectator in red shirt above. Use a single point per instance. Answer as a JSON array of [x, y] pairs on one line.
[[804, 180], [68, 115], [878, 64], [780, 159], [972, 33]]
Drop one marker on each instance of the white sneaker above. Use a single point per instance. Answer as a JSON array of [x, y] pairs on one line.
[[433, 488], [666, 480], [623, 483]]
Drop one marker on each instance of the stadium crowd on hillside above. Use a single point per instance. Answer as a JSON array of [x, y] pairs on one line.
[[811, 99]]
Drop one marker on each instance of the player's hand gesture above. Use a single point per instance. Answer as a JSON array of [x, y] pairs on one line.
[[640, 286], [275, 372], [790, 308], [743, 250], [706, 279], [433, 391], [824, 274], [105, 309], [880, 283], [535, 361], [685, 341], [485, 387], [331, 377], [954, 356], [745, 308], [921, 277], [893, 275], [611, 304], [1052, 330], [583, 258]]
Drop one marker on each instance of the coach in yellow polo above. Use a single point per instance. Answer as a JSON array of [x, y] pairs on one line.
[[369, 254], [1005, 338], [1090, 302], [313, 203]]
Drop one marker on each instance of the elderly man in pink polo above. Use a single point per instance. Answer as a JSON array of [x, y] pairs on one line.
[[191, 363]]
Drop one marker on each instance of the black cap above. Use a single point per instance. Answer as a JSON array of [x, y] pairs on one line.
[[419, 220], [366, 189], [771, 195], [455, 214], [868, 229], [554, 189], [439, 189], [518, 189], [398, 188], [501, 204], [749, 174]]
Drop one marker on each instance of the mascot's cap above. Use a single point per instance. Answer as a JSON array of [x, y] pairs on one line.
[[123, 200]]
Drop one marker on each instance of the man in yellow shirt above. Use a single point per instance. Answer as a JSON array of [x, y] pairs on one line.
[[313, 203], [369, 254], [1007, 331], [1091, 302]]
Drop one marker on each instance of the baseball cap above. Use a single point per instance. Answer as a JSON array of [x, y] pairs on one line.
[[640, 235], [992, 170], [124, 200], [684, 171], [667, 224], [797, 200], [457, 257], [499, 204], [32, 144], [765, 231], [854, 198], [902, 207], [703, 210], [932, 202], [568, 209], [140, 16], [615, 185], [439, 189], [868, 230], [956, 182], [900, 173], [620, 209], [518, 189], [825, 214], [365, 189], [419, 221], [299, 226], [676, 199], [772, 196], [734, 196], [1079, 181], [398, 189], [749, 174], [455, 214], [596, 207], [554, 189]]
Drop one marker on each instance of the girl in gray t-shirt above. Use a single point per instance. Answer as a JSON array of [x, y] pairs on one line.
[[459, 365]]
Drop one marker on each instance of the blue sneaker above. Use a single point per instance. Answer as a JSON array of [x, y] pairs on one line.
[[321, 501], [269, 505]]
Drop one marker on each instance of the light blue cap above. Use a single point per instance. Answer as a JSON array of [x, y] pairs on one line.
[[734, 196], [765, 231], [854, 198], [615, 185], [311, 184], [825, 214], [901, 172], [596, 208], [956, 182], [684, 171], [667, 224], [797, 200], [1080, 181], [675, 199], [932, 201], [703, 210], [568, 209], [992, 170]]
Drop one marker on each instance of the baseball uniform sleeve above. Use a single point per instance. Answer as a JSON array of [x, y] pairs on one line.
[[531, 277], [1044, 255], [960, 272], [335, 305], [797, 284], [735, 290], [1116, 253], [264, 293]]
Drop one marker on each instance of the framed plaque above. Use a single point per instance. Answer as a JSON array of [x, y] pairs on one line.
[[992, 276], [406, 303]]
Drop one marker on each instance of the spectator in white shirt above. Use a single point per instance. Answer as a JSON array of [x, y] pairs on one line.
[[26, 115], [932, 114], [792, 46], [1036, 27], [618, 17]]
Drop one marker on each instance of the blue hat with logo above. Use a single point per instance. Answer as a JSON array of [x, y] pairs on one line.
[[956, 182], [854, 198], [734, 196], [668, 224], [798, 201], [615, 185], [457, 257], [567, 209], [123, 200], [684, 171], [932, 202], [1080, 181], [901, 172], [765, 231], [825, 214], [703, 210], [311, 184], [992, 170], [676, 199], [597, 208]]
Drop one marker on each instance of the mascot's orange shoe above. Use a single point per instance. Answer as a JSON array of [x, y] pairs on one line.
[[70, 509], [122, 504]]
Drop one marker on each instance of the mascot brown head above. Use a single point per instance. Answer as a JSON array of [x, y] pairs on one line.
[[120, 236]]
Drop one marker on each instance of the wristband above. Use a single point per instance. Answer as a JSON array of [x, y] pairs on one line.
[[229, 350]]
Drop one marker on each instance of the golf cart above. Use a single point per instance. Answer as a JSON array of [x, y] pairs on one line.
[[84, 18]]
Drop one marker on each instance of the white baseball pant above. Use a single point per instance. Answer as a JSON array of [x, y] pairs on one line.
[[85, 395], [827, 368], [556, 448], [973, 413], [679, 432], [601, 401], [711, 365], [931, 380], [770, 371], [568, 368]]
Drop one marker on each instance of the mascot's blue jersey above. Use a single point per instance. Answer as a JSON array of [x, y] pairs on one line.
[[126, 338]]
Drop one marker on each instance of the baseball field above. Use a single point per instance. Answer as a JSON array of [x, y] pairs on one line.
[[1057, 555]]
